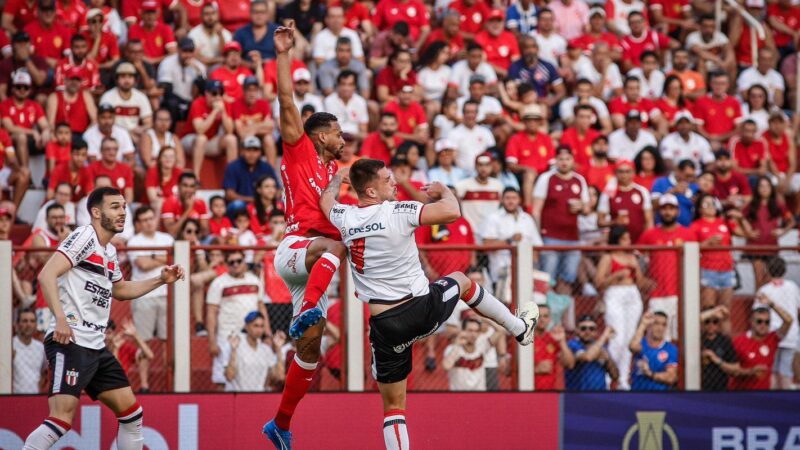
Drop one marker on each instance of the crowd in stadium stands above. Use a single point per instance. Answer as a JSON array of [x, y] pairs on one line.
[[560, 122]]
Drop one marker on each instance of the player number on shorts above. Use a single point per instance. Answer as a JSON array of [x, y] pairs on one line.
[[357, 253]]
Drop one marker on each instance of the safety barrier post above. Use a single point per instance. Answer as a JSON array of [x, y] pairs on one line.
[[181, 304], [524, 281], [355, 336], [691, 315], [6, 319]]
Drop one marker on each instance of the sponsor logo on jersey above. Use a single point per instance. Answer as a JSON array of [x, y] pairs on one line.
[[366, 228], [72, 319], [405, 207], [400, 348], [314, 185], [100, 295], [338, 210], [94, 326], [72, 377]]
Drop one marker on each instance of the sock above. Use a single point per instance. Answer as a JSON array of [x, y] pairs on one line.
[[129, 434], [488, 305], [395, 433], [47, 434], [298, 379], [319, 278]]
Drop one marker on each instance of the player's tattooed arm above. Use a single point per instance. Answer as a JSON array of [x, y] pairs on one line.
[[328, 198]]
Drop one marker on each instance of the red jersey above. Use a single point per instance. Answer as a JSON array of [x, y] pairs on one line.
[[472, 17], [71, 15], [644, 180], [534, 153], [57, 153], [23, 12], [586, 41], [546, 349], [235, 14], [645, 106], [156, 41], [271, 71], [557, 220], [734, 184], [109, 47], [717, 117], [753, 352], [167, 188], [597, 176], [375, 148], [668, 110], [456, 43], [748, 156], [79, 180], [5, 145], [671, 9], [173, 208], [635, 201], [386, 77], [258, 228], [581, 146], [121, 174], [500, 50], [447, 261], [194, 11], [718, 260], [778, 150], [250, 114], [74, 113], [650, 40], [24, 116], [304, 176], [201, 110], [789, 16], [275, 287], [90, 72], [765, 224], [412, 12], [407, 118], [220, 226], [743, 50], [49, 42], [131, 10], [354, 15], [662, 261], [231, 80]]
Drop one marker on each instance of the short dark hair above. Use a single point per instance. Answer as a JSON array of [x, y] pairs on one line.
[[401, 28], [25, 311], [346, 73], [475, 46], [511, 189], [629, 79], [343, 41], [661, 314], [77, 38], [277, 213], [142, 210], [776, 267], [95, 199], [616, 233], [235, 251], [647, 54], [687, 164], [469, 320], [583, 107], [319, 121], [469, 102], [215, 198], [388, 114], [62, 124], [187, 176], [363, 171], [53, 206], [78, 144]]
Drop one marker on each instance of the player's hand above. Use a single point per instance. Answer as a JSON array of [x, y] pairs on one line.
[[62, 333], [171, 274], [434, 190], [284, 38]]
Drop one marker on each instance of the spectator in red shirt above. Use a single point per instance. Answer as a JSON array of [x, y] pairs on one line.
[[48, 37], [718, 111], [184, 206], [411, 119], [232, 72], [121, 174], [356, 17], [24, 119], [58, 150], [22, 57], [530, 149], [749, 151], [394, 76], [211, 127], [412, 12], [598, 32], [17, 176], [383, 143], [730, 186], [499, 44], [599, 170], [473, 14], [252, 117], [782, 149], [77, 59], [438, 263], [550, 347], [450, 34], [756, 349], [627, 203], [161, 180], [102, 43], [72, 105], [156, 36], [640, 40], [580, 136], [265, 201], [73, 172], [18, 13], [784, 19], [70, 13], [649, 166]]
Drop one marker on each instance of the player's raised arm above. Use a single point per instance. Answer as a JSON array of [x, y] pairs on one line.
[[291, 123], [328, 198], [444, 208]]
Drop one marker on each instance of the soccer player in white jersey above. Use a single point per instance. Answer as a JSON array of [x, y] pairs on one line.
[[78, 283], [404, 307]]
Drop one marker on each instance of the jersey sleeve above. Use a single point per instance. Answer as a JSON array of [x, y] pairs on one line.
[[672, 358], [78, 245], [336, 215], [214, 294], [404, 216], [116, 272]]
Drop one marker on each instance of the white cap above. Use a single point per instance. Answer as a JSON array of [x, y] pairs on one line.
[[668, 199], [94, 12], [683, 114], [301, 74], [21, 77], [444, 144], [754, 4]]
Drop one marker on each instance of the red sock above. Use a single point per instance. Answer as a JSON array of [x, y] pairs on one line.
[[298, 379], [319, 278]]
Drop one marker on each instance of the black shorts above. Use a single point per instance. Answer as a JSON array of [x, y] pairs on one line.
[[75, 368], [393, 332]]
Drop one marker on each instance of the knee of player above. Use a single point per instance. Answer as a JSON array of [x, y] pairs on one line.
[[464, 283], [337, 249]]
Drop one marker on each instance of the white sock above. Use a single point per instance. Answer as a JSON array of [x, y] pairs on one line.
[[47, 434], [395, 433], [488, 305], [129, 434]]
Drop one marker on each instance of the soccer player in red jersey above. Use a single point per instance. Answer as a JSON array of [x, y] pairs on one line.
[[309, 255]]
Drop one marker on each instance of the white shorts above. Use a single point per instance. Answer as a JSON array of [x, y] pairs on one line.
[[290, 264], [783, 362], [669, 306]]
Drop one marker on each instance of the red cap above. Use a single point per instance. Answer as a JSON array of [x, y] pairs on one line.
[[73, 72], [6, 212], [496, 14], [232, 46], [625, 163], [149, 5]]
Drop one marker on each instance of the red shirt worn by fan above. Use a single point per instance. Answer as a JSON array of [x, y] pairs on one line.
[[754, 352], [304, 176], [661, 260]]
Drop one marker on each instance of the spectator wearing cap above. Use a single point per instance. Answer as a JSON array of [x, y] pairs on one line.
[[480, 194], [749, 151], [591, 359], [106, 127], [88, 70], [270, 79], [412, 12], [22, 57], [559, 197], [465, 69], [383, 143], [490, 110], [718, 112], [473, 15], [655, 359], [625, 143], [763, 73], [241, 175], [626, 203], [343, 60], [444, 170], [49, 37], [257, 36], [349, 107], [177, 75], [232, 71], [681, 183], [146, 72], [542, 75], [73, 105], [252, 116], [684, 143], [531, 149], [470, 138], [209, 36], [303, 95], [570, 17], [212, 130], [731, 187], [156, 36], [251, 364], [668, 232], [101, 42], [411, 119], [500, 45], [325, 43], [24, 119], [392, 78], [631, 100], [522, 17], [133, 110]]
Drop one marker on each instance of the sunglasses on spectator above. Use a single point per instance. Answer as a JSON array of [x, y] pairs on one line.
[[22, 87], [587, 328], [235, 262], [712, 321], [96, 21], [762, 321]]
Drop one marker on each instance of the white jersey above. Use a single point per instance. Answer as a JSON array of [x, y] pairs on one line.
[[383, 254], [85, 290], [236, 297], [29, 363], [785, 294]]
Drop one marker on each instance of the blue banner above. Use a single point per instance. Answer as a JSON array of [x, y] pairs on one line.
[[688, 421]]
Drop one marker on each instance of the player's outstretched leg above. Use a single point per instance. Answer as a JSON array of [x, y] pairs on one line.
[[56, 425], [323, 257], [129, 414], [395, 433], [520, 325]]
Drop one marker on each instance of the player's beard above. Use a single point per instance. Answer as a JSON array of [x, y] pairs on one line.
[[110, 225]]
